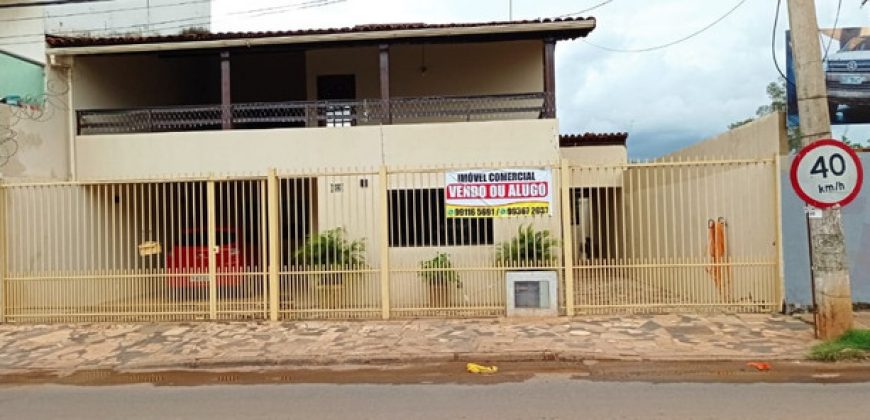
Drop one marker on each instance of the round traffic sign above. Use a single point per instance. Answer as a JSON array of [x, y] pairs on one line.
[[827, 173]]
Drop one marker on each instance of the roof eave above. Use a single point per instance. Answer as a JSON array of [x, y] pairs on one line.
[[579, 27]]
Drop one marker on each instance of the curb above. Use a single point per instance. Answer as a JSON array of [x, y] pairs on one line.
[[406, 359]]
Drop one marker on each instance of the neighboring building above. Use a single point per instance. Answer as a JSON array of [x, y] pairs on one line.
[[126, 17], [32, 140]]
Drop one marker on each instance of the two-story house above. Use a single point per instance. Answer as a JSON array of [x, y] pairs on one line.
[[261, 167]]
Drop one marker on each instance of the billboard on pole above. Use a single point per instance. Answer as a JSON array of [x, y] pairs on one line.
[[847, 75]]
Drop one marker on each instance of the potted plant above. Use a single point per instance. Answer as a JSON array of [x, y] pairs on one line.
[[530, 248], [331, 254], [439, 274], [530, 280]]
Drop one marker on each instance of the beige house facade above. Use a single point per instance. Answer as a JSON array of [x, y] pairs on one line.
[[305, 174]]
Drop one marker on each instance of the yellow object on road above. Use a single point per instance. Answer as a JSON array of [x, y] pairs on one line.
[[475, 368]]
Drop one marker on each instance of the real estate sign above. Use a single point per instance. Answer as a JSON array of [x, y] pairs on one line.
[[498, 193]]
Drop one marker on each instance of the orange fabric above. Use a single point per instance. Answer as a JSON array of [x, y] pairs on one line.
[[717, 250]]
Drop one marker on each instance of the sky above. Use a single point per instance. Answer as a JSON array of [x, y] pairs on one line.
[[665, 99]]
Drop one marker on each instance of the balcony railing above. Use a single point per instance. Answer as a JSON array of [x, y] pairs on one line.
[[317, 113]]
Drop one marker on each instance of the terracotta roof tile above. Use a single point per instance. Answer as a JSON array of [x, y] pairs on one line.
[[593, 139], [83, 41]]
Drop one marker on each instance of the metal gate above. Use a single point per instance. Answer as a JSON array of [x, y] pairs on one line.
[[641, 237], [675, 236], [174, 250]]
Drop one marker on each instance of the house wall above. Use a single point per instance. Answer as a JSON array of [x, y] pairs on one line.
[[356, 208], [169, 154], [595, 155], [451, 69], [467, 69], [37, 138], [146, 80], [268, 77]]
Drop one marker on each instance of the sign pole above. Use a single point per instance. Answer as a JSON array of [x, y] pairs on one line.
[[830, 266]]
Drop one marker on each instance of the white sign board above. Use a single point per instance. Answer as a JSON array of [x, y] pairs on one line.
[[498, 193], [827, 173]]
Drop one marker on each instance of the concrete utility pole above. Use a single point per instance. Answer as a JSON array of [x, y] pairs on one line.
[[830, 265]]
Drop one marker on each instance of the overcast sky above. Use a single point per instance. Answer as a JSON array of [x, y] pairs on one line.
[[665, 99]]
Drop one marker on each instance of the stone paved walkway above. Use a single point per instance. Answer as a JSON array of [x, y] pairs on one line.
[[67, 348]]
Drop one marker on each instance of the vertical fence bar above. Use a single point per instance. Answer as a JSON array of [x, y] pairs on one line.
[[384, 233], [777, 208], [274, 242], [567, 240], [212, 252], [3, 248]]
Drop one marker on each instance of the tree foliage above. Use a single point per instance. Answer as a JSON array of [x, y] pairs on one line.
[[776, 93]]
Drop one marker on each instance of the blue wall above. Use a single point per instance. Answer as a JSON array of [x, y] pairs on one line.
[[856, 223]]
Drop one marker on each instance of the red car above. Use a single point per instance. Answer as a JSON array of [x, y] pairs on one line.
[[187, 263]]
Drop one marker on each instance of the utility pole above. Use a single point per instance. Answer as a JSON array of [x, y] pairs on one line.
[[830, 265]]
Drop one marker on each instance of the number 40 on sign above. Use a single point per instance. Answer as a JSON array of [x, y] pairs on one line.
[[827, 173]]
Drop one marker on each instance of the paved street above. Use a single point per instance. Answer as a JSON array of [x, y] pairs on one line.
[[159, 346], [544, 397]]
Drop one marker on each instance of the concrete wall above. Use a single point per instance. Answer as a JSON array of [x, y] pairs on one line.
[[168, 154], [763, 138], [266, 77], [668, 209], [467, 69], [856, 226], [595, 155], [147, 80], [451, 69], [37, 139]]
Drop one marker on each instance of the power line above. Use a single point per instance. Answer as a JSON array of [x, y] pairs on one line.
[[308, 4], [672, 43], [102, 12], [836, 21], [773, 43], [46, 3], [585, 10]]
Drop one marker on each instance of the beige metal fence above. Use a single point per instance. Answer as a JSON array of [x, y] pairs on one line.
[[368, 244], [676, 236]]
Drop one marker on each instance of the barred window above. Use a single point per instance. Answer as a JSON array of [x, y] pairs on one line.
[[417, 219]]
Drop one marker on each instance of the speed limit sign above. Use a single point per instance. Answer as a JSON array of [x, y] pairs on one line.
[[827, 173]]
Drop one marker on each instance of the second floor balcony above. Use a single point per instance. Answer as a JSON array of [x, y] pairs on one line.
[[354, 77], [317, 113]]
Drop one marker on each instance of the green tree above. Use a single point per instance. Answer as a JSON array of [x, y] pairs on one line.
[[776, 93], [850, 143]]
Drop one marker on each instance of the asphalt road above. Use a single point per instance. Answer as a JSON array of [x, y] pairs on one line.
[[543, 397]]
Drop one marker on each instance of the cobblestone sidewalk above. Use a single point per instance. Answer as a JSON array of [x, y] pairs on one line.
[[67, 348]]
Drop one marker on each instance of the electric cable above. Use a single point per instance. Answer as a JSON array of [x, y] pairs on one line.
[[585, 10], [831, 40], [773, 44], [107, 11], [308, 4], [672, 43]]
